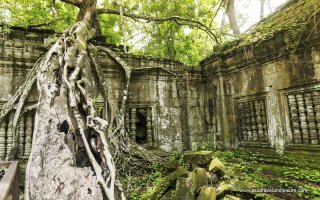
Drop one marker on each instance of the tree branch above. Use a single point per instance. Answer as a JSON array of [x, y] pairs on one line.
[[72, 2], [176, 19]]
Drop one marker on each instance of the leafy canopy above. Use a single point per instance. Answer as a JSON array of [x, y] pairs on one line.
[[172, 39]]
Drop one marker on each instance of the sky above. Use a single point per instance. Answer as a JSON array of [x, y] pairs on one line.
[[250, 9]]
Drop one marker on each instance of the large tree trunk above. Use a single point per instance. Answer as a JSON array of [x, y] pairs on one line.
[[52, 171], [63, 164], [52, 167], [73, 150], [232, 17]]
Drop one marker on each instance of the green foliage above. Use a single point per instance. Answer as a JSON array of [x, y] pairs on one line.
[[178, 157], [184, 41], [270, 171], [137, 185], [108, 23], [302, 174], [224, 156], [4, 30], [161, 39], [25, 13]]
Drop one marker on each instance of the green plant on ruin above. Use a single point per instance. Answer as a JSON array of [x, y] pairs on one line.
[[178, 157], [292, 22], [4, 30], [138, 186], [302, 174]]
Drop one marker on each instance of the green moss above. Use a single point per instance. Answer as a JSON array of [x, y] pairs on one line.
[[198, 178], [298, 170], [202, 152], [162, 184], [251, 168], [207, 193]]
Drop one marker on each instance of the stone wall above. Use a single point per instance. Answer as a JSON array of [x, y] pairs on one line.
[[266, 94], [158, 94], [262, 94]]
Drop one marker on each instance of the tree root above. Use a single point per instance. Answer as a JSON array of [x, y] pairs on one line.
[[17, 103], [70, 60], [21, 94]]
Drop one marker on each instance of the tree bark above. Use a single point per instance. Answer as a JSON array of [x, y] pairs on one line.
[[73, 150], [66, 121], [232, 17], [52, 170]]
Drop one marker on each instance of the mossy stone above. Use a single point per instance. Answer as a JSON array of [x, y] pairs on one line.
[[159, 189], [198, 178], [222, 188], [168, 195], [183, 189], [207, 193], [242, 185], [199, 157], [231, 197], [216, 166]]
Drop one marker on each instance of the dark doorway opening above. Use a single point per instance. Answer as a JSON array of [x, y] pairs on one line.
[[141, 126]]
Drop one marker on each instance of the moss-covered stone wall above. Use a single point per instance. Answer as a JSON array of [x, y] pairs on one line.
[[164, 97], [266, 92], [259, 90]]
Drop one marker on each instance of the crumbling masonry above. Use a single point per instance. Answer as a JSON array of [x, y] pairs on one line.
[[263, 93]]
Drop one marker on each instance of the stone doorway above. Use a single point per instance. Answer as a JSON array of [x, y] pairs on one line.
[[141, 126], [139, 121]]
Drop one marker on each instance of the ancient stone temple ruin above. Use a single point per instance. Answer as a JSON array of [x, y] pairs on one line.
[[250, 92]]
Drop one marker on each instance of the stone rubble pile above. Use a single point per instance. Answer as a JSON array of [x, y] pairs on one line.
[[203, 182]]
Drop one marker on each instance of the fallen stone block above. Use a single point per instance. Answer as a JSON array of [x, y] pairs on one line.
[[157, 191], [199, 158], [222, 188], [183, 189], [236, 185], [216, 166], [207, 193], [198, 178], [168, 195]]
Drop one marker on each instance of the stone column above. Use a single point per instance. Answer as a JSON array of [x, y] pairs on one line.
[[248, 122], [316, 103], [253, 122], [2, 140], [149, 126], [21, 136], [311, 119], [133, 122], [259, 121], [303, 119], [264, 120], [295, 119], [242, 121], [27, 150]]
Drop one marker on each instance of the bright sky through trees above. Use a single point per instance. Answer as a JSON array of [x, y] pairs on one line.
[[250, 9]]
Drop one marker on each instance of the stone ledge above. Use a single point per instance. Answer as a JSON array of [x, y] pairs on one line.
[[305, 147], [255, 144]]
